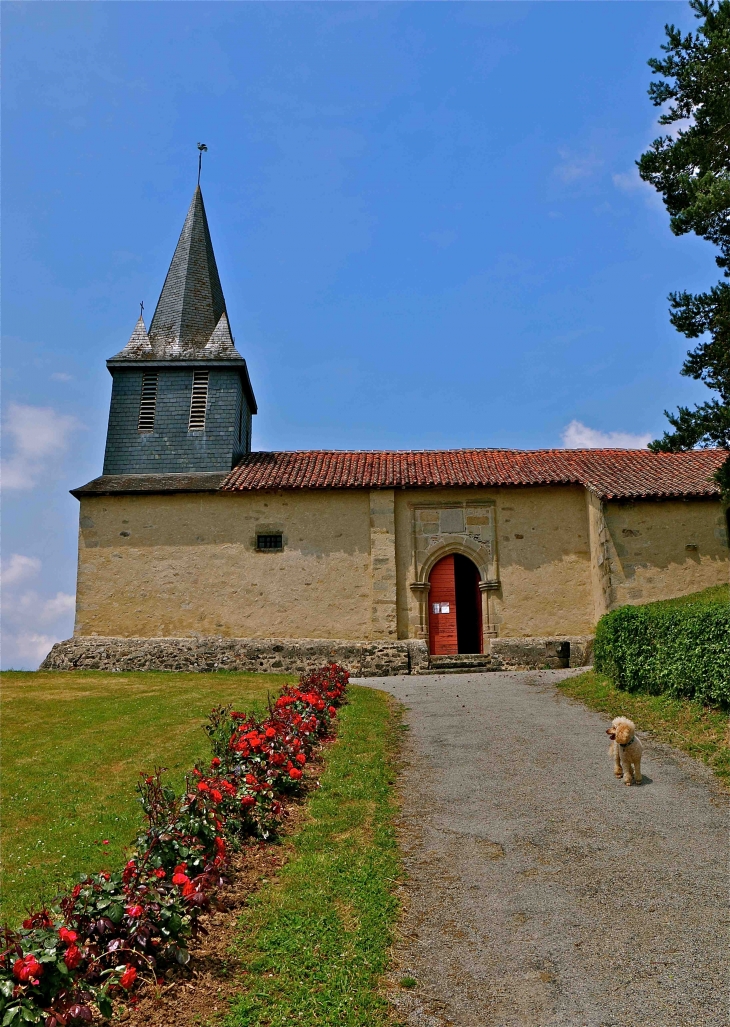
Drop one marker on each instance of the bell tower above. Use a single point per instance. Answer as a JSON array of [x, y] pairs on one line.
[[181, 395]]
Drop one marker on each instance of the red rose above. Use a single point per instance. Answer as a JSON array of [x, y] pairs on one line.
[[160, 873], [295, 773], [300, 758], [271, 732], [188, 889], [216, 795], [248, 800], [180, 879], [72, 957], [332, 711], [220, 847], [133, 910], [215, 762], [27, 969], [203, 787], [69, 937], [128, 977]]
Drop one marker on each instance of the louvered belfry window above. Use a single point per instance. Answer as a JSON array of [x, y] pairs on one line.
[[147, 403], [199, 401]]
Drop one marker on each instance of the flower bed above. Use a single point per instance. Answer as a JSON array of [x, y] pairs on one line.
[[94, 943]]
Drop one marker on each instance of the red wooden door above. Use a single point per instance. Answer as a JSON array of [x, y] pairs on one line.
[[442, 635]]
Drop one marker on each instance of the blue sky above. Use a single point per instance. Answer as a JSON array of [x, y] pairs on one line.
[[426, 217]]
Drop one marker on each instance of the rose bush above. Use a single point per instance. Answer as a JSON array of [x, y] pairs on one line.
[[112, 930]]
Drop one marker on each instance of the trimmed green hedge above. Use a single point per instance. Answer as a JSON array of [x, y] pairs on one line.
[[682, 650]]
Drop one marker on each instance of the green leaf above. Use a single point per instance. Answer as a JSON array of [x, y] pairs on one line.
[[115, 913], [105, 1005]]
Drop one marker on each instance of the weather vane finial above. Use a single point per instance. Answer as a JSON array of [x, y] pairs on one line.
[[141, 307], [201, 150]]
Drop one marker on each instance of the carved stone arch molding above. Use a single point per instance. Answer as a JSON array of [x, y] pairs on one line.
[[466, 547], [441, 529]]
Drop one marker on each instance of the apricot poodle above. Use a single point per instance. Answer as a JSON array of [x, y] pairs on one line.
[[626, 750]]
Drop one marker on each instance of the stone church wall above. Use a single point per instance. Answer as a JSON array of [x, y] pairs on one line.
[[187, 565], [355, 562], [658, 550]]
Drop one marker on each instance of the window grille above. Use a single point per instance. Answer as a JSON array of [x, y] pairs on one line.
[[269, 542], [198, 401], [147, 403]]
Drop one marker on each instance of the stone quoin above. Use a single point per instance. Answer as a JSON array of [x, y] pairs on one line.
[[197, 553]]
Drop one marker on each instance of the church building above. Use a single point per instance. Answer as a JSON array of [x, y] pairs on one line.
[[196, 552]]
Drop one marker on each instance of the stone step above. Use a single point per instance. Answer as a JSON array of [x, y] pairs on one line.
[[464, 663]]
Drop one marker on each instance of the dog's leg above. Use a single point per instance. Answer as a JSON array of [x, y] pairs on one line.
[[616, 760], [626, 764], [637, 770]]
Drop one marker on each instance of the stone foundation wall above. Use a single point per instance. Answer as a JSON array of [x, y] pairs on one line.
[[261, 655], [301, 655], [532, 653]]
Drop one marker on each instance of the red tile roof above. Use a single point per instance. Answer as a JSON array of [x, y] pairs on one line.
[[610, 473]]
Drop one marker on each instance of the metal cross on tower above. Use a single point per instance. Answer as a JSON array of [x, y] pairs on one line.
[[201, 150]]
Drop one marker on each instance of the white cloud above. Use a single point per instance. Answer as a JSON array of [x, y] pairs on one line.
[[632, 182], [31, 622], [61, 376], [27, 647], [38, 435], [61, 604], [577, 435], [19, 568], [575, 166]]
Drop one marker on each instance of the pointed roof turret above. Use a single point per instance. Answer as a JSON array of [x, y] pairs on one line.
[[139, 343], [221, 342], [191, 302]]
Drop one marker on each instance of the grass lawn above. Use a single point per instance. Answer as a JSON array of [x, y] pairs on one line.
[[697, 730], [315, 941], [73, 746], [715, 594]]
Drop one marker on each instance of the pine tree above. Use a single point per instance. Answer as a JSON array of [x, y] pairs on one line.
[[691, 169]]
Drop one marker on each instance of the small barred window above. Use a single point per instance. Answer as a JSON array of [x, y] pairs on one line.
[[269, 542], [199, 401], [147, 403]]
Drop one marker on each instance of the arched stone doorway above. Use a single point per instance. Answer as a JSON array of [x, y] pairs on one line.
[[454, 607]]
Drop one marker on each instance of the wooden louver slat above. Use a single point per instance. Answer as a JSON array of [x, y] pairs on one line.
[[147, 403], [198, 401]]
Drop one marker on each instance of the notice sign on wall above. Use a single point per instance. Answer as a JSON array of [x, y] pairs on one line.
[[441, 607]]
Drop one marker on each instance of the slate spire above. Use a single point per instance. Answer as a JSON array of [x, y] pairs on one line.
[[191, 303]]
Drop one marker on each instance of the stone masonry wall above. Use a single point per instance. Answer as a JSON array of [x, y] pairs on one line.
[[298, 656], [382, 564], [260, 655], [535, 653]]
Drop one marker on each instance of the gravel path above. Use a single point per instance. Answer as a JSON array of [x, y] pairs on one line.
[[543, 892]]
